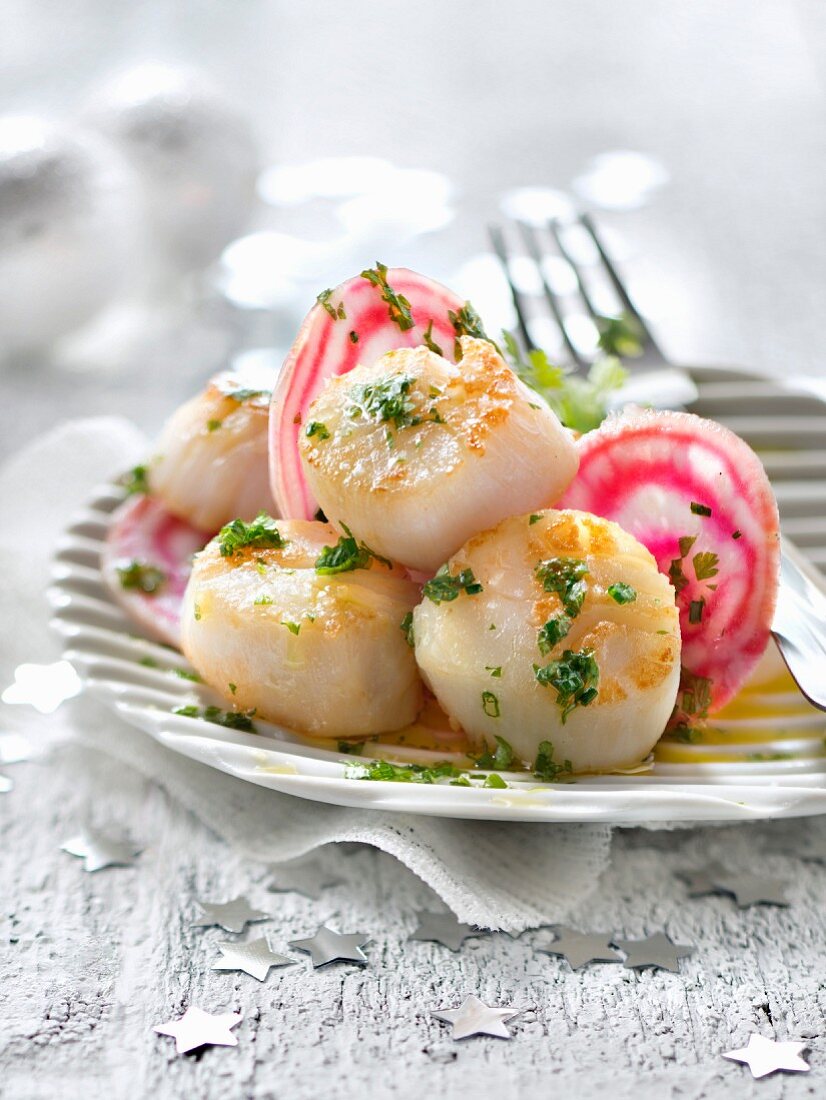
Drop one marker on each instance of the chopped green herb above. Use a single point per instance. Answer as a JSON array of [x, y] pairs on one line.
[[261, 533], [242, 395], [688, 735], [406, 627], [694, 695], [700, 509], [490, 704], [384, 771], [388, 400], [705, 565], [428, 341], [554, 630], [443, 588], [214, 425], [398, 305], [492, 626], [354, 337], [316, 428], [620, 592], [534, 518], [676, 575], [466, 322], [143, 576], [737, 534], [187, 674], [695, 611], [495, 671], [262, 601], [544, 766], [574, 676], [137, 480], [294, 628], [232, 687], [231, 719], [564, 576], [196, 610], [502, 758], [620, 335], [353, 748], [495, 781], [148, 662], [336, 312], [346, 555], [686, 542]]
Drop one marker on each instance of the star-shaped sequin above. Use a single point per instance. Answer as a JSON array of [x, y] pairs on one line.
[[232, 915], [327, 946], [43, 687], [656, 950], [580, 948], [98, 851], [442, 928], [197, 1028], [764, 1056], [750, 889], [474, 1017], [303, 877], [254, 957], [702, 882]]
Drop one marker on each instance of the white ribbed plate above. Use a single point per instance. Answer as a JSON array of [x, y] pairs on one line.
[[765, 768]]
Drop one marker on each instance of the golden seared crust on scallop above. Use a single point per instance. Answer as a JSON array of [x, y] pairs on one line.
[[416, 453], [563, 595], [321, 653], [211, 461]]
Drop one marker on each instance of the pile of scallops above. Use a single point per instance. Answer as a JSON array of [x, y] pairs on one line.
[[392, 523]]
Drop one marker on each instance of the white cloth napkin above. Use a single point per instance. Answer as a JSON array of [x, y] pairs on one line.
[[495, 875]]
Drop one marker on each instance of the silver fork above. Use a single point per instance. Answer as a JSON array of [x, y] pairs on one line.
[[799, 625]]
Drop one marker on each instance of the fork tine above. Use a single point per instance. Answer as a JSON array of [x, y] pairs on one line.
[[532, 244], [587, 223], [555, 227], [497, 240]]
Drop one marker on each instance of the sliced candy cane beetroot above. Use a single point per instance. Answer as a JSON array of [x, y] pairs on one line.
[[144, 532], [351, 325], [659, 475]]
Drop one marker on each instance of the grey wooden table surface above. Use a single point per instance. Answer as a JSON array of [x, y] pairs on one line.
[[727, 257]]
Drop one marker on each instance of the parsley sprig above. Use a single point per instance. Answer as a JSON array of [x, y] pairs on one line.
[[347, 554], [544, 767], [388, 400], [142, 575], [565, 577]]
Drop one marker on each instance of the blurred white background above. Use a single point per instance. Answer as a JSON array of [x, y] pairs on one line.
[[695, 132]]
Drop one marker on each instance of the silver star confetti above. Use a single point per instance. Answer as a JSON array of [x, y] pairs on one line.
[[750, 889], [327, 946], [442, 928], [197, 1028], [308, 878], [254, 957], [98, 851], [703, 881], [656, 950], [580, 948], [232, 915], [474, 1017], [764, 1056], [43, 687]]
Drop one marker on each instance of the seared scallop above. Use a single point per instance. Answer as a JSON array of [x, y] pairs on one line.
[[415, 454], [211, 461], [303, 626], [556, 631]]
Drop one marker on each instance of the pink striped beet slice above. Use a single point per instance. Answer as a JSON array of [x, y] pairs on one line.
[[146, 547], [698, 497]]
